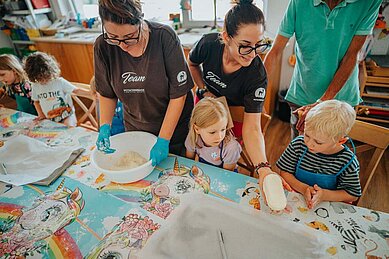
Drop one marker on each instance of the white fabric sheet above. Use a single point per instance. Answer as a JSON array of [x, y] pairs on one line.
[[191, 231], [28, 160]]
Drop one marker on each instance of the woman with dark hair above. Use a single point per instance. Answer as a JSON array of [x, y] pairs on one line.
[[232, 68], [142, 64]]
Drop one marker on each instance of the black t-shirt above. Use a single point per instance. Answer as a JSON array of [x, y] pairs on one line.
[[146, 84], [244, 87]]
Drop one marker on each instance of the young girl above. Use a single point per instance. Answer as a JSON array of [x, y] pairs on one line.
[[50, 92], [210, 140], [15, 84]]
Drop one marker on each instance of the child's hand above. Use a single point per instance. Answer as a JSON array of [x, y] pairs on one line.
[[286, 185], [308, 195], [318, 196]]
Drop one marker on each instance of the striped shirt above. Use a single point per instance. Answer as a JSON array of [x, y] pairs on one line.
[[323, 164]]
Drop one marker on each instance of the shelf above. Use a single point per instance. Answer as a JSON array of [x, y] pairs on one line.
[[27, 12], [21, 42], [375, 96], [377, 84], [372, 107], [371, 119], [376, 79]]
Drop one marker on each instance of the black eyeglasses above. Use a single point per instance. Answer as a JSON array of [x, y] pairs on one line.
[[245, 50], [128, 41]]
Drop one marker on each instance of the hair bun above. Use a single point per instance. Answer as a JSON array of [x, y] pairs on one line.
[[242, 2]]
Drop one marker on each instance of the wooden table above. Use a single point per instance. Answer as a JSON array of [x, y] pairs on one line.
[[83, 214]]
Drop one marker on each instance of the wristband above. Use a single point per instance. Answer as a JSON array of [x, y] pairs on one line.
[[260, 165], [200, 92]]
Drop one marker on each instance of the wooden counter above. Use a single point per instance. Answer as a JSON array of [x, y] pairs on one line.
[[75, 59]]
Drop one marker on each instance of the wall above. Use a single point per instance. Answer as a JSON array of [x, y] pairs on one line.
[[381, 46], [274, 11], [62, 8]]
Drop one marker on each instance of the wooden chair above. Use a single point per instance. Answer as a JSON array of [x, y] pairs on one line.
[[372, 137], [88, 108], [237, 114]]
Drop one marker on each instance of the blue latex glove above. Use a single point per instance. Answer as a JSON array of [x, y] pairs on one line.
[[102, 142], [159, 151], [14, 117]]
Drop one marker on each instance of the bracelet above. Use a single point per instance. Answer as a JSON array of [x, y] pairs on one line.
[[200, 92], [262, 164]]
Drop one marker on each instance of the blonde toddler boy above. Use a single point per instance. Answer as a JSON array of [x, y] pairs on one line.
[[318, 164]]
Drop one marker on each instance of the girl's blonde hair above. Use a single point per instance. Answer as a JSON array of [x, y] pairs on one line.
[[206, 113], [40, 66], [332, 118], [10, 62]]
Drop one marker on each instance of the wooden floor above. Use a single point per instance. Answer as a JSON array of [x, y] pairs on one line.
[[278, 137]]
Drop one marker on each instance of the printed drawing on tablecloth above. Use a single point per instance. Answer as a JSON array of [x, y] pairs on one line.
[[251, 196], [65, 223], [164, 195], [39, 229], [23, 123], [127, 238]]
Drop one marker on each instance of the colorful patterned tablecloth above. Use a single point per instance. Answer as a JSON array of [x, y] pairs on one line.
[[83, 214]]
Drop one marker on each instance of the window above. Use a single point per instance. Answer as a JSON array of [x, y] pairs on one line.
[[87, 8], [90, 10], [202, 12], [160, 10], [153, 9]]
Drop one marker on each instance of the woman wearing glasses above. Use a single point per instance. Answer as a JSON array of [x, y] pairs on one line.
[[232, 68], [141, 63]]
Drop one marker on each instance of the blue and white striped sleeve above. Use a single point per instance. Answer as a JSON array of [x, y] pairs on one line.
[[288, 160], [349, 180]]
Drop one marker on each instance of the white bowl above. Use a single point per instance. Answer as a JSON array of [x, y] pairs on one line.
[[137, 141]]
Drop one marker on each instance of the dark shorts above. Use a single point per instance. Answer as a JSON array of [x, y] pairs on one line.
[[293, 120]]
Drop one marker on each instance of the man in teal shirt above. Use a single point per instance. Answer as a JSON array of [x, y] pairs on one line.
[[329, 35]]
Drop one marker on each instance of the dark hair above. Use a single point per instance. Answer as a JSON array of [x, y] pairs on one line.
[[121, 11], [243, 12], [40, 66]]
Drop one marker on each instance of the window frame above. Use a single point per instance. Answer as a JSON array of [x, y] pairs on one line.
[[189, 22]]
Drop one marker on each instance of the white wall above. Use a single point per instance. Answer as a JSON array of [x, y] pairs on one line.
[[274, 11], [381, 46]]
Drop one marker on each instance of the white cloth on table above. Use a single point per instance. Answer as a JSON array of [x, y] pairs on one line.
[[191, 231], [28, 160]]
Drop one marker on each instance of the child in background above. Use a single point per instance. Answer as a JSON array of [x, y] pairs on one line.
[[210, 140], [318, 164], [50, 92], [117, 125], [15, 84]]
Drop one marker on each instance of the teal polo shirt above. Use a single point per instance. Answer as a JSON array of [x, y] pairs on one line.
[[322, 39]]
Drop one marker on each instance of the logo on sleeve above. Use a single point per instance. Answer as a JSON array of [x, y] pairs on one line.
[[182, 77], [260, 94]]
